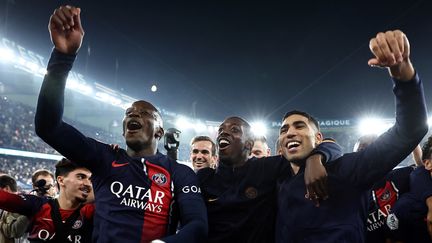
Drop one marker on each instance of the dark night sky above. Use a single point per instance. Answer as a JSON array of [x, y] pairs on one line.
[[212, 59]]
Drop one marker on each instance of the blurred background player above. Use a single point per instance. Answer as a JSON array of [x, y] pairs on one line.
[[260, 148], [12, 225], [68, 218], [203, 153], [43, 182]]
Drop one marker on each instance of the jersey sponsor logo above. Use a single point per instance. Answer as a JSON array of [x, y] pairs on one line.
[[114, 164], [138, 197], [251, 192], [45, 235], [376, 218], [159, 178], [383, 200], [191, 189]]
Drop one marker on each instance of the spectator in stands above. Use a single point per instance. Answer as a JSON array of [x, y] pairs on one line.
[[48, 214], [260, 148], [241, 192], [203, 153], [136, 188], [22, 169], [341, 217], [411, 216], [44, 183], [12, 225]]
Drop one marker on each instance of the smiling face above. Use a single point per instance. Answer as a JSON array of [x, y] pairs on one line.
[[76, 185], [142, 126], [260, 149], [298, 137], [201, 155], [235, 141]]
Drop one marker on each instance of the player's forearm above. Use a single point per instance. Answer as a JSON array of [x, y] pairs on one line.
[[329, 150], [49, 109], [13, 203], [405, 71]]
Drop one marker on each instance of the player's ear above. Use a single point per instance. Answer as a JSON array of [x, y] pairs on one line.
[[159, 133]]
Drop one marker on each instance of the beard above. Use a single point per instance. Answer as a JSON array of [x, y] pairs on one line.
[[82, 199]]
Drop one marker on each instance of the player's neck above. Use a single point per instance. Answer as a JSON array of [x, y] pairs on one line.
[[66, 203], [150, 151], [295, 168]]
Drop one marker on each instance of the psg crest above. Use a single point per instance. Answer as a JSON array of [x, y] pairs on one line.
[[159, 178]]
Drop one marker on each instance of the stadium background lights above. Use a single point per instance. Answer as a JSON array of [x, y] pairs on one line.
[[183, 123], [153, 88], [6, 55], [75, 85], [259, 128], [28, 61], [373, 125]]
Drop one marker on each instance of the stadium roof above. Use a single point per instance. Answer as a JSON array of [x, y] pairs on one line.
[[253, 59]]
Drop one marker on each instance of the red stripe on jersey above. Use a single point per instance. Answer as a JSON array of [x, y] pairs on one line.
[[157, 209]]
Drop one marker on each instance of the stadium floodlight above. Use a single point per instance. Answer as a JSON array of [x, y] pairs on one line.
[[212, 129], [182, 123], [32, 67], [373, 125], [200, 127], [22, 61], [28, 154], [75, 85], [125, 105], [109, 99], [153, 88], [429, 121], [259, 128], [6, 55], [42, 71]]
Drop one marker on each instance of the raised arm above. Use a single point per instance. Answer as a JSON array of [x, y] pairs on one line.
[[391, 50], [66, 34]]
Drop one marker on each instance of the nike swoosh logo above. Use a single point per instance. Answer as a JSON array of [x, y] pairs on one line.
[[46, 219], [115, 164], [212, 199]]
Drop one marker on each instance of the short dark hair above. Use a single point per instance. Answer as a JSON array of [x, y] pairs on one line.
[[248, 129], [43, 172], [427, 149], [7, 180], [204, 138], [64, 167], [304, 114]]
